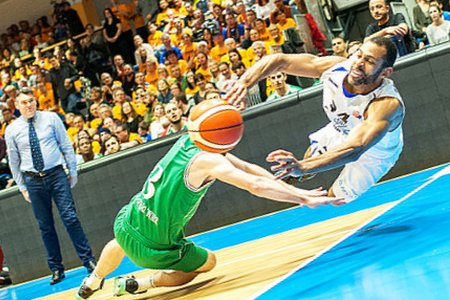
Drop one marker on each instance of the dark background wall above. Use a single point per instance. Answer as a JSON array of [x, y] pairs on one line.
[[107, 184]]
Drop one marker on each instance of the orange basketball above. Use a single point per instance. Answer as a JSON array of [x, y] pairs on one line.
[[215, 126]]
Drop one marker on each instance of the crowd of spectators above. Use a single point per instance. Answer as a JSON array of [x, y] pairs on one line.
[[135, 78]]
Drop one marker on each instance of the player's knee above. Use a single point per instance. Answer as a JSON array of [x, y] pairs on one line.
[[210, 263]]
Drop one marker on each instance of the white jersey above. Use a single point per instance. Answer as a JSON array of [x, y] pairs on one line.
[[346, 111]]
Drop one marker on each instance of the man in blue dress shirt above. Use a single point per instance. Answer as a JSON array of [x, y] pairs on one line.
[[38, 146]]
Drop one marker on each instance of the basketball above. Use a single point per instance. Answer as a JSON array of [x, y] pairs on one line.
[[215, 126]]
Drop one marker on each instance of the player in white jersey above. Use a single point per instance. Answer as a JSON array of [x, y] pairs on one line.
[[363, 106]]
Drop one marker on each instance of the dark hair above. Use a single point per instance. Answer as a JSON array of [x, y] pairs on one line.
[[170, 52], [391, 50], [199, 77], [237, 65], [144, 125], [237, 52], [181, 98]]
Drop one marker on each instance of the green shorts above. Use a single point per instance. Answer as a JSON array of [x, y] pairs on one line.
[[184, 256]]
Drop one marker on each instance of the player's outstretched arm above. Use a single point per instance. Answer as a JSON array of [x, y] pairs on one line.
[[382, 115], [305, 65], [216, 166]]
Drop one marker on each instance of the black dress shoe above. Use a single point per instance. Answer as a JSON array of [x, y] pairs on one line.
[[91, 266], [57, 276]]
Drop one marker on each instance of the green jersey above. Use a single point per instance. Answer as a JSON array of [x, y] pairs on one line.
[[166, 203]]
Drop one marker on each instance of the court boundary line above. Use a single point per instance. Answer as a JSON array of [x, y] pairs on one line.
[[297, 206], [242, 222], [430, 180]]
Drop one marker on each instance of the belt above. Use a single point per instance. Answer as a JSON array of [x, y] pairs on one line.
[[42, 173]]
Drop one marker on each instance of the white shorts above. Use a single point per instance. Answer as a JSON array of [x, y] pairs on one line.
[[358, 176]]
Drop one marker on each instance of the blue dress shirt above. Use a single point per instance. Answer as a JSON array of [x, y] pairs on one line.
[[54, 141]]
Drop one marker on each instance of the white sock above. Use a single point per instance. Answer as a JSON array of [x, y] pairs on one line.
[[145, 283], [93, 281]]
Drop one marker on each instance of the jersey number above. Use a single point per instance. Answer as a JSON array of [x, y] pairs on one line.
[[149, 189]]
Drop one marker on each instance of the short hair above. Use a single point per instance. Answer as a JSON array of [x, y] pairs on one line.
[[144, 125], [258, 44], [237, 65], [181, 98], [199, 77], [5, 109], [389, 46], [170, 52], [212, 91]]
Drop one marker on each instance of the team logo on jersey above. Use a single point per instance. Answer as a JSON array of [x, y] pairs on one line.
[[356, 114]]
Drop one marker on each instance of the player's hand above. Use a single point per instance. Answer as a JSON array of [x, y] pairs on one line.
[[237, 95], [288, 165], [313, 202], [26, 196], [73, 181]]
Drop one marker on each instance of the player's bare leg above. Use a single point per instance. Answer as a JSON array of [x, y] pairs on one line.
[[130, 285], [111, 257]]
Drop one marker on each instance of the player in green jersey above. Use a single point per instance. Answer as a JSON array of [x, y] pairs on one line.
[[150, 228]]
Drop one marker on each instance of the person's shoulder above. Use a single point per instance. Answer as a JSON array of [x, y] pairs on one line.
[[12, 128]]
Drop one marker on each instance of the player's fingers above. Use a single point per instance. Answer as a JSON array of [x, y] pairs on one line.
[[282, 174], [277, 153]]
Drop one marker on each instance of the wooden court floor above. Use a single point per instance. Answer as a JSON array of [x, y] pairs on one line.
[[244, 270]]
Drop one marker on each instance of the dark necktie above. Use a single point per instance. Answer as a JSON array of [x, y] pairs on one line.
[[36, 154]]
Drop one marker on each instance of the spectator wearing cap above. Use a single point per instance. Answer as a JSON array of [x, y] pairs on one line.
[[104, 133]]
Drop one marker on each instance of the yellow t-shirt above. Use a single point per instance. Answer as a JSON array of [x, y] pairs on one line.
[[135, 137], [217, 52], [155, 39], [290, 23], [206, 73]]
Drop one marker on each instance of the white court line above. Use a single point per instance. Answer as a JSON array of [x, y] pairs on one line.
[[239, 260], [431, 179], [434, 177]]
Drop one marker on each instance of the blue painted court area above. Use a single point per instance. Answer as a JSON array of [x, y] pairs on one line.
[[402, 254]]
